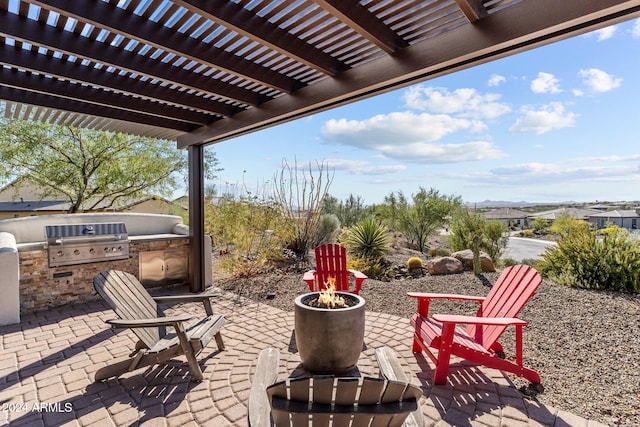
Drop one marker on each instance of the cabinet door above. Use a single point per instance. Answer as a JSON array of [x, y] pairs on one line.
[[152, 268], [176, 265]]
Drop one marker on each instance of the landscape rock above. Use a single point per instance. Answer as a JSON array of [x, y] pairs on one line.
[[466, 257], [444, 265]]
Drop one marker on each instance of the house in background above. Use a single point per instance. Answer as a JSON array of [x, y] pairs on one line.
[[512, 218], [578, 213], [27, 200], [624, 218]]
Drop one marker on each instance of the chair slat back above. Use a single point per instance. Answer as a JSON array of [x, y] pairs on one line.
[[129, 300], [515, 286], [337, 402], [331, 261]]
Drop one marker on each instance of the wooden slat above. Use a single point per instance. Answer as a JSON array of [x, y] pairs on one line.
[[515, 286], [122, 292], [259, 410], [342, 402]]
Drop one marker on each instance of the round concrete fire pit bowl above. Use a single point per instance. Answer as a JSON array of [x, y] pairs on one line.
[[329, 340]]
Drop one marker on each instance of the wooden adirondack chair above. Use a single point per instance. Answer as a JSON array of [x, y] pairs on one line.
[[478, 342], [139, 311], [329, 401], [331, 261]]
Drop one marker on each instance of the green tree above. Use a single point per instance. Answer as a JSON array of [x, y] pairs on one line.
[[471, 230], [565, 225], [91, 169], [419, 218], [539, 224], [349, 211]]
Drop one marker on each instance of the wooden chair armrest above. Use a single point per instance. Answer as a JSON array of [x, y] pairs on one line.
[[209, 293], [309, 275], [422, 295], [389, 364], [147, 323], [204, 298], [258, 407], [391, 369], [474, 320]]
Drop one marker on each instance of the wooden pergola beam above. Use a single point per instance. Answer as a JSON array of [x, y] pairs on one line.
[[514, 29]]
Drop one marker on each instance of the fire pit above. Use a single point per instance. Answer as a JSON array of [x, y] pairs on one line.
[[329, 337]]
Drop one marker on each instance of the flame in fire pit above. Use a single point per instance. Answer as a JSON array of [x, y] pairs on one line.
[[328, 297]]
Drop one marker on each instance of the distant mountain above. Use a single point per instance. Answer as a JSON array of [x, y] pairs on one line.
[[507, 204]]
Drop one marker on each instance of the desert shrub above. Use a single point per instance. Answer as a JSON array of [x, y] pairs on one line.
[[526, 233], [609, 229], [471, 230], [373, 268], [299, 194], [539, 225], [508, 262], [250, 231], [533, 262], [327, 231], [414, 262], [443, 252], [368, 239], [583, 260]]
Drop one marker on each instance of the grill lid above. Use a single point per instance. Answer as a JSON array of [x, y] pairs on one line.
[[70, 244], [86, 230]]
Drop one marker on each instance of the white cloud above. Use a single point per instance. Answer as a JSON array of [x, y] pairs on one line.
[[549, 117], [605, 33], [443, 153], [545, 83], [496, 80], [635, 31], [363, 167], [409, 137], [465, 102], [599, 81], [612, 158], [550, 174], [400, 128]]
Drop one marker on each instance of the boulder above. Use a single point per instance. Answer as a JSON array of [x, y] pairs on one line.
[[444, 265], [466, 258]]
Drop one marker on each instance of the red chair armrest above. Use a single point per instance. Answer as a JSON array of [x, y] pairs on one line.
[[310, 279], [358, 275], [473, 320]]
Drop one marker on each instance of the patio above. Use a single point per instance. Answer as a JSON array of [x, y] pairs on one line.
[[47, 364]]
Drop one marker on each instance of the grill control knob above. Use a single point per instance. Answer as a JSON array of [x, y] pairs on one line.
[[60, 253], [92, 251], [76, 252]]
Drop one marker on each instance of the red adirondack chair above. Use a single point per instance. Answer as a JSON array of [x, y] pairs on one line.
[[331, 261], [478, 342]]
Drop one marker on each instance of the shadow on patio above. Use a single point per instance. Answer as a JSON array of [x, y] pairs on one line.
[[48, 361]]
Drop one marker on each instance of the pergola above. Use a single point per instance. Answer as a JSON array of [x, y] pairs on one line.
[[201, 72]]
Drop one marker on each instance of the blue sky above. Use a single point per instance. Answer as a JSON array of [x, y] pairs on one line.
[[557, 123]]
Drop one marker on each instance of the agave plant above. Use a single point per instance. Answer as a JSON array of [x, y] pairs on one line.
[[368, 239]]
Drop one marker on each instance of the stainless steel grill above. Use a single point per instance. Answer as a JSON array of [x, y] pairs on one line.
[[71, 244]]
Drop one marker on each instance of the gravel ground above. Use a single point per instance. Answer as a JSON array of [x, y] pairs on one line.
[[584, 344]]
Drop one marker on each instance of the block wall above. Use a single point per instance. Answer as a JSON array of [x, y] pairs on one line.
[[42, 287]]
